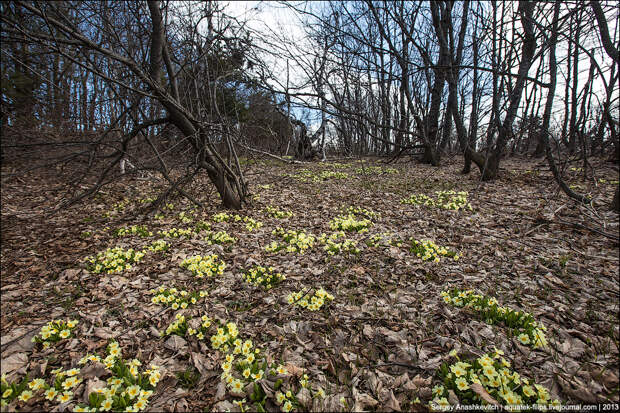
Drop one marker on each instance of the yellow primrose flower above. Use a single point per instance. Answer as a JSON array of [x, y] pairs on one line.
[[494, 382], [80, 409], [511, 398], [246, 373], [145, 394], [106, 404], [489, 371], [524, 338], [461, 384], [72, 372], [133, 391], [458, 371], [140, 404], [237, 386], [36, 384], [528, 391], [69, 383], [288, 406], [50, 394], [280, 397], [281, 370], [7, 393], [485, 361], [65, 397], [320, 393]]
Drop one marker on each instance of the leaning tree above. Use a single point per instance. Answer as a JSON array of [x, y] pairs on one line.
[[172, 66]]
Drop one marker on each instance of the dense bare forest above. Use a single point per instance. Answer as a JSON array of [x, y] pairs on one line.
[[365, 205]]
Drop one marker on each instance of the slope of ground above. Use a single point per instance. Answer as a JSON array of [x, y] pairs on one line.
[[378, 345]]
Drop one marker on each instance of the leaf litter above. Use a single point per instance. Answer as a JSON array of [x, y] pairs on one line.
[[380, 341]]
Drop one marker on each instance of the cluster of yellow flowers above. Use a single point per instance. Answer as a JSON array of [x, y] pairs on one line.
[[332, 247], [275, 212], [527, 330], [368, 213], [429, 251], [146, 200], [158, 245], [225, 338], [140, 230], [375, 170], [114, 260], [251, 224], [174, 298], [185, 218], [445, 199], [127, 390], [493, 373], [312, 302], [350, 223], [267, 277], [12, 390], [294, 241], [180, 326], [383, 240], [120, 206], [419, 199], [338, 165], [288, 401], [325, 175], [177, 233], [55, 331], [243, 366], [224, 217], [453, 200], [202, 226], [305, 175], [219, 237], [201, 266]]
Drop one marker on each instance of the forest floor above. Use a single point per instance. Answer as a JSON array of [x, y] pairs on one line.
[[378, 345]]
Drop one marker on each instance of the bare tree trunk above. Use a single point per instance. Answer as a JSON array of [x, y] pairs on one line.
[[549, 105]]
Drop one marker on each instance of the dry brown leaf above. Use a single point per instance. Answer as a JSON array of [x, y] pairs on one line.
[[14, 362], [484, 395]]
